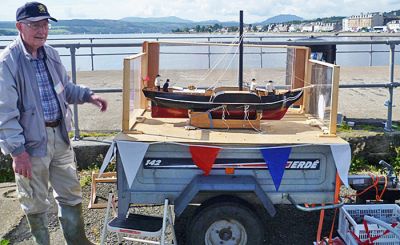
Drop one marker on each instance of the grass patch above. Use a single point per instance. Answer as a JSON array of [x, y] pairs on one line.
[[85, 180], [4, 242], [360, 165], [6, 175], [344, 128], [395, 161], [6, 171], [370, 128], [86, 174], [92, 134], [396, 127]]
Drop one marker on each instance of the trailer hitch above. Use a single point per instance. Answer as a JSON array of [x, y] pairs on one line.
[[391, 174], [310, 209]]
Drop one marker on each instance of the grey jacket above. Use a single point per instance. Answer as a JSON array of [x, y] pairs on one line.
[[22, 126]]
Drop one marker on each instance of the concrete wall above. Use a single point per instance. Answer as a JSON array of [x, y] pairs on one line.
[[374, 147]]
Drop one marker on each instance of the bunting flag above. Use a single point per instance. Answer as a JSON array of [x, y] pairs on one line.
[[204, 157], [276, 159], [108, 158], [132, 154], [342, 156]]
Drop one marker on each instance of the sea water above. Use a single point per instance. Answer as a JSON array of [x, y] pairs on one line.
[[201, 57]]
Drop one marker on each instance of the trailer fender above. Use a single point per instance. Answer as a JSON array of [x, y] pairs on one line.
[[223, 183]]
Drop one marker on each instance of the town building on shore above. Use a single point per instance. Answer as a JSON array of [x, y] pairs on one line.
[[362, 22], [393, 26]]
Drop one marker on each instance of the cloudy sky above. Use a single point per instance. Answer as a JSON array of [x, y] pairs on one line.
[[223, 10]]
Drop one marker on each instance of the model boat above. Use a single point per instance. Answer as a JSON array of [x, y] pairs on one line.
[[223, 98], [223, 102]]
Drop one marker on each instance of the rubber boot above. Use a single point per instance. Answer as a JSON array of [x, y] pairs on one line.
[[39, 228], [71, 221]]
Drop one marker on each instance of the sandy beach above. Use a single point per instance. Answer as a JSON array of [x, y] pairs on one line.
[[353, 102]]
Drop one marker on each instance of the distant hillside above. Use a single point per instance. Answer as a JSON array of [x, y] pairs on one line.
[[282, 18], [212, 22], [169, 19], [125, 25], [161, 25], [332, 19], [96, 26], [7, 28], [393, 12], [177, 20]]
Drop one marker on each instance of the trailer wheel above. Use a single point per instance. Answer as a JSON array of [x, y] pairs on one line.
[[225, 223]]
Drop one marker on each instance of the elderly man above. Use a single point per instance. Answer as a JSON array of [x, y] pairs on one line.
[[35, 91]]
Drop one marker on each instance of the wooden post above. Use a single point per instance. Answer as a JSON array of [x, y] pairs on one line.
[[307, 82], [299, 71], [145, 79], [125, 95], [334, 99], [151, 61]]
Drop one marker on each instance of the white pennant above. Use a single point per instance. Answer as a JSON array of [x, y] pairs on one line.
[[132, 154], [342, 156], [108, 158]]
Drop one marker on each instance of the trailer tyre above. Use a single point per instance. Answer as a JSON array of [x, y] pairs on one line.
[[225, 223]]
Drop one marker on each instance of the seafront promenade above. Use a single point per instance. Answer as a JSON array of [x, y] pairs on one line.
[[353, 102]]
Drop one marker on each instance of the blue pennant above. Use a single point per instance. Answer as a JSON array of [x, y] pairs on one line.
[[276, 159]]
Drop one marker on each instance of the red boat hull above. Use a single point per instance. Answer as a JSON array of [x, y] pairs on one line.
[[166, 112], [277, 114]]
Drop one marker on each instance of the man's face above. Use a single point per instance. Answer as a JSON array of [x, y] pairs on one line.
[[34, 34]]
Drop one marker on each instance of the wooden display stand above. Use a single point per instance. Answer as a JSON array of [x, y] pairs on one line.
[[301, 72], [205, 120]]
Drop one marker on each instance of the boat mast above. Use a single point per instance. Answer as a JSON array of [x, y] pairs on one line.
[[241, 51]]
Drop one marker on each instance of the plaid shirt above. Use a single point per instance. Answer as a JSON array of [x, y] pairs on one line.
[[51, 108]]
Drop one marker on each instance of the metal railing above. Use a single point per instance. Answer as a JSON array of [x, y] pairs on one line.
[[332, 39], [391, 85]]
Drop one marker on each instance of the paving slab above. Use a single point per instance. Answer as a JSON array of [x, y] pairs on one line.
[[10, 210]]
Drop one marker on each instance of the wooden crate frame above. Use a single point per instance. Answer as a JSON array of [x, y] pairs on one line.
[[128, 118], [150, 68], [109, 177], [332, 128]]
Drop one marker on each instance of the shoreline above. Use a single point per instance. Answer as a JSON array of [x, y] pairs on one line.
[[331, 33]]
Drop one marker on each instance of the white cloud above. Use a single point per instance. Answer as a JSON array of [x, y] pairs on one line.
[[224, 10]]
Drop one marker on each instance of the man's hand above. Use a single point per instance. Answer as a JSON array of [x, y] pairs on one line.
[[99, 102], [22, 165]]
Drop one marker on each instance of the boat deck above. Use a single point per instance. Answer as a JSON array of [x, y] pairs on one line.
[[294, 128]]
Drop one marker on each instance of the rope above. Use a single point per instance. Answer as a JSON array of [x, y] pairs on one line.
[[375, 182], [246, 117], [332, 227], [370, 239], [229, 64], [213, 68], [211, 110], [223, 117], [320, 224]]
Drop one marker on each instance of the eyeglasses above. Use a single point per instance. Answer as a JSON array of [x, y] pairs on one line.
[[36, 26]]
